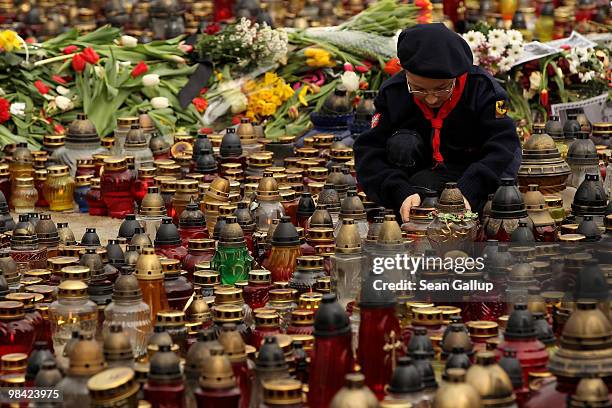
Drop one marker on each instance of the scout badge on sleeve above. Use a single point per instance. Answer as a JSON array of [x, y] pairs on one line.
[[501, 108], [375, 120]]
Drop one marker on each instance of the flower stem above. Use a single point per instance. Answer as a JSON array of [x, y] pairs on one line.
[[53, 59]]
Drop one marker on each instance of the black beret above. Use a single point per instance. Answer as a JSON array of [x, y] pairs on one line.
[[433, 51]]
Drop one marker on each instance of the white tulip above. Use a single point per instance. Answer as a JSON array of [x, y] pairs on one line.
[[150, 80], [63, 103], [350, 80], [160, 102], [99, 71], [18, 108], [128, 41], [62, 91]]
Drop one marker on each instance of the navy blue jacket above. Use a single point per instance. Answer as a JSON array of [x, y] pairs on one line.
[[475, 138]]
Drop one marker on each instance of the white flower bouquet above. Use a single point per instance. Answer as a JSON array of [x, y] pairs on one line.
[[497, 50]]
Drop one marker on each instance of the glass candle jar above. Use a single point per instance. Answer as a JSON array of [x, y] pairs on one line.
[[199, 250], [5, 181], [94, 199], [178, 288], [256, 292], [128, 310], [71, 311], [266, 324], [31, 314], [59, 188], [16, 332], [281, 301], [85, 167], [165, 383], [115, 186], [145, 179], [40, 178], [82, 187], [24, 195]]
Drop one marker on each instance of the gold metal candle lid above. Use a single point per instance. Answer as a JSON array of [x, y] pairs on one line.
[[148, 266], [228, 296], [76, 272], [187, 186], [171, 266], [26, 298], [217, 372], [48, 292], [84, 180], [14, 362], [259, 277], [482, 329], [427, 316], [267, 190], [227, 313], [24, 182], [170, 318], [284, 391], [457, 393], [57, 263], [267, 320], [86, 357], [301, 317], [232, 343], [40, 174], [197, 309], [115, 163], [75, 289], [281, 295], [59, 170], [11, 310], [206, 277], [112, 385], [310, 301]]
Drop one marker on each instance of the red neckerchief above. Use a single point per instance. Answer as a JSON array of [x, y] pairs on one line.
[[443, 112]]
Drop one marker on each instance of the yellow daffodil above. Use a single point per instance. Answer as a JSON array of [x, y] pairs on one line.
[[302, 95], [266, 95], [250, 86], [9, 40], [219, 76], [318, 58]]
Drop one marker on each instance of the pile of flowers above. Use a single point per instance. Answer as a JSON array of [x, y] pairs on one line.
[[571, 75], [585, 63], [266, 95], [496, 50], [245, 44]]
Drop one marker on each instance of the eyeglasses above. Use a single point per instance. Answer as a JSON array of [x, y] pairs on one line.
[[437, 93]]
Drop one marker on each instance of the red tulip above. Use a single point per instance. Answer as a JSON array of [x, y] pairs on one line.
[[59, 129], [90, 55], [212, 29], [78, 63], [5, 110], [42, 88], [140, 69], [59, 79], [200, 104], [203, 90], [544, 97], [362, 69], [393, 66], [71, 49]]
